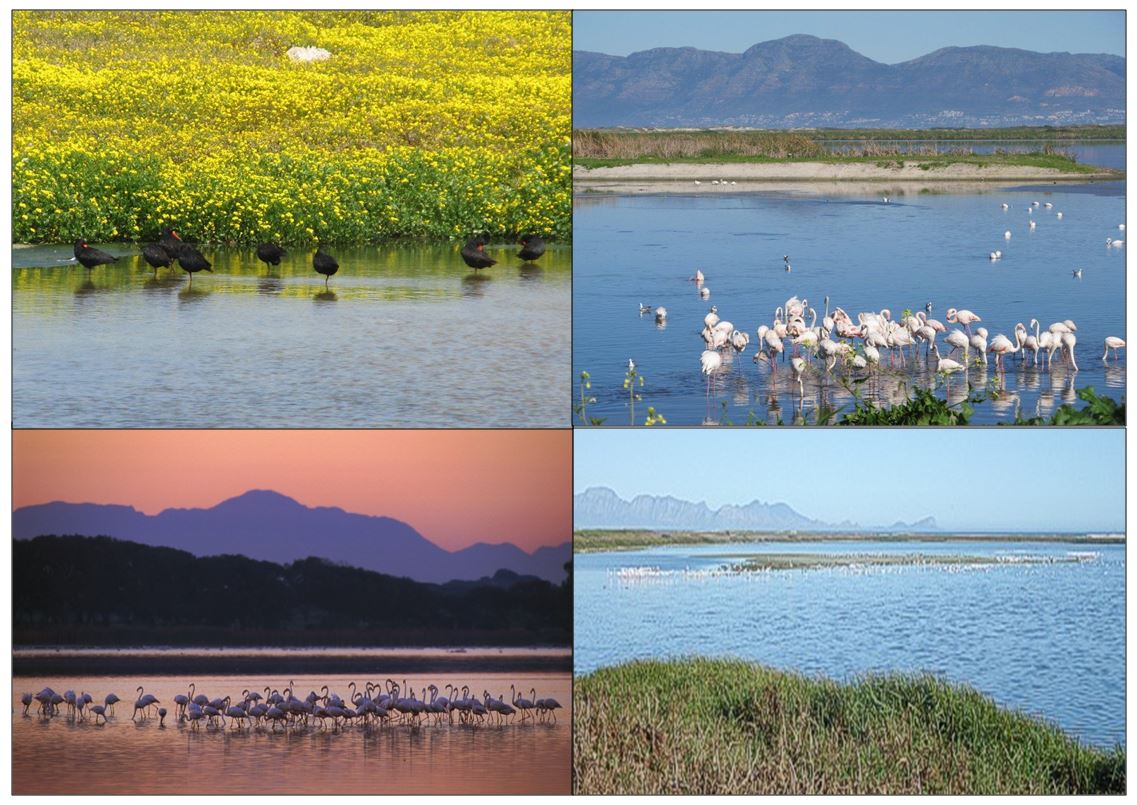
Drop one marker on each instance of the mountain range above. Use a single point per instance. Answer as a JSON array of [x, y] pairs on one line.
[[262, 524], [805, 82], [600, 507]]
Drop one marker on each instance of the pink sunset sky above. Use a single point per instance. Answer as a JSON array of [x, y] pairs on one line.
[[455, 487]]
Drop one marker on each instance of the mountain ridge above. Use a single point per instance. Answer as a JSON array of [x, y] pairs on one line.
[[264, 524], [803, 81], [601, 507]]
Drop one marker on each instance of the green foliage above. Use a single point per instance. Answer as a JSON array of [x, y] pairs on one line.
[[632, 379], [1099, 410], [586, 399], [700, 726], [924, 408]]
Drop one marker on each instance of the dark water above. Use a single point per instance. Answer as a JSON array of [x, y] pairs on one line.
[[65, 755], [865, 255], [1047, 639], [1102, 155], [405, 336]]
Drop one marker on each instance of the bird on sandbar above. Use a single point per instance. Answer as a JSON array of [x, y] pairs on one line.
[[270, 254], [532, 247], [474, 254], [324, 264], [192, 261]]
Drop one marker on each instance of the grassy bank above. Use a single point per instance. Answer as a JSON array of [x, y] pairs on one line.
[[420, 124], [598, 148], [715, 727], [594, 540]]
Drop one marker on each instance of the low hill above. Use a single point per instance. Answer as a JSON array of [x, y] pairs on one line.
[[75, 590]]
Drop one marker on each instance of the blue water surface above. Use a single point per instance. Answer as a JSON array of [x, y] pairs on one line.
[[865, 255], [1046, 639]]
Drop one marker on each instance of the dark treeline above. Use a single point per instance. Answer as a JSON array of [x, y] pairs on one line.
[[77, 590]]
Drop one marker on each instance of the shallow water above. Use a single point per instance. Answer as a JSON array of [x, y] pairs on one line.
[[64, 755], [404, 336], [865, 255], [1047, 639]]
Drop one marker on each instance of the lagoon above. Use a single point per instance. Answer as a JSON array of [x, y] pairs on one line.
[[1047, 638], [404, 336]]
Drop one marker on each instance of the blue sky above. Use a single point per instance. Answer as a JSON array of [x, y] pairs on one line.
[[1021, 479], [886, 36]]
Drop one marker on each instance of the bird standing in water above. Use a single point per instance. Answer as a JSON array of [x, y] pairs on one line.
[[91, 257], [157, 256], [532, 247], [474, 253], [324, 264], [192, 261], [270, 254]]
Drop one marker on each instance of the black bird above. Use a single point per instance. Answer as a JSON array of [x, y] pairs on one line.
[[157, 256], [474, 253], [532, 247], [324, 264], [192, 261], [270, 254], [172, 242], [90, 257]]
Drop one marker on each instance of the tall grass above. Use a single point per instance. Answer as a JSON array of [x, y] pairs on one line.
[[716, 727], [682, 144]]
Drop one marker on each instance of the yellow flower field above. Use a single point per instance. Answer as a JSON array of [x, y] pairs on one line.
[[421, 124]]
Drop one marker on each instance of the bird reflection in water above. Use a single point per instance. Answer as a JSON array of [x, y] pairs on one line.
[[530, 272], [474, 284], [326, 296], [191, 294]]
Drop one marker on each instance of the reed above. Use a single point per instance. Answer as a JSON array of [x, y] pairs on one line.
[[700, 726]]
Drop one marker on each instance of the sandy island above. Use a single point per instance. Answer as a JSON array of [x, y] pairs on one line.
[[816, 177]]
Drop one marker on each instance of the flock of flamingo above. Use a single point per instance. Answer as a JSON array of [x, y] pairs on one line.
[[878, 333], [374, 705]]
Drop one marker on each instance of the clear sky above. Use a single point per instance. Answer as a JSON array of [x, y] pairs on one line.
[[979, 479], [456, 487], [886, 36]]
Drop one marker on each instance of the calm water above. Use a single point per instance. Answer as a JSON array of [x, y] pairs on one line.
[[62, 756], [406, 336], [1047, 639], [865, 255]]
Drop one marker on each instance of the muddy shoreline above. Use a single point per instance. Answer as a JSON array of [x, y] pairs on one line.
[[818, 178]]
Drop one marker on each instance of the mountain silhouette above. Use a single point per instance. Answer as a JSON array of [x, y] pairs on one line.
[[267, 525], [802, 81], [600, 507]]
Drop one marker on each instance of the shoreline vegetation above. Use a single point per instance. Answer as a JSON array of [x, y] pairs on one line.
[[603, 540], [612, 159], [50, 662], [698, 726]]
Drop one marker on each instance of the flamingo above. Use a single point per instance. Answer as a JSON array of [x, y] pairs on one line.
[[1068, 341], [524, 705], [110, 700], [704, 292], [26, 700], [958, 340], [945, 365], [1001, 345], [698, 279], [143, 702], [1111, 342], [710, 362], [100, 710], [712, 318], [964, 317], [660, 315]]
